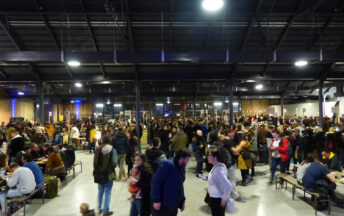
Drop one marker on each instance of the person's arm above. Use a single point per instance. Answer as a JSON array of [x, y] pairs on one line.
[[13, 181], [284, 147], [115, 159], [223, 183], [331, 177]]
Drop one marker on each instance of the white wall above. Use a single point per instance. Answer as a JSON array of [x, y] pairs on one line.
[[311, 107]]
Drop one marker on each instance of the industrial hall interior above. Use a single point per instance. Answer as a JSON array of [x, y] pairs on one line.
[[171, 107]]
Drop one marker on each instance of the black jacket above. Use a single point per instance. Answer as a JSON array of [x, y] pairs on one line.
[[121, 143], [145, 185], [16, 145]]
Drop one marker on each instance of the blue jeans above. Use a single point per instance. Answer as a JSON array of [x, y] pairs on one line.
[[3, 198], [136, 207], [274, 163], [104, 188], [39, 185]]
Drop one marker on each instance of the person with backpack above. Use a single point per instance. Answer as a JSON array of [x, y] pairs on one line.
[[154, 155], [105, 162], [279, 148]]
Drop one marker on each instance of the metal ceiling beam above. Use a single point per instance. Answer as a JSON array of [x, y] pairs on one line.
[[17, 44], [249, 26], [326, 25], [3, 74], [207, 37], [183, 57], [170, 44], [130, 36], [91, 33]]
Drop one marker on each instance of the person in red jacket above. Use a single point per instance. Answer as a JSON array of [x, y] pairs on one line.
[[279, 149]]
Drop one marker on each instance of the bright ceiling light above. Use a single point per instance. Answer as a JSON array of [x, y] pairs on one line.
[[108, 102], [117, 105], [79, 85], [217, 103], [159, 104], [71, 101], [301, 63], [74, 63], [99, 105], [236, 103], [212, 5], [106, 82], [259, 87], [20, 93]]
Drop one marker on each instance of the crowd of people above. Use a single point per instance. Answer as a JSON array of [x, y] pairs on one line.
[[156, 176]]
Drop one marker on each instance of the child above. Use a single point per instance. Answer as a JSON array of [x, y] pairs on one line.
[[84, 210]]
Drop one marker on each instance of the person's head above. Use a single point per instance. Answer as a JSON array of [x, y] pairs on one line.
[[174, 129], [326, 153], [14, 133], [45, 146], [106, 139], [50, 150], [156, 142], [199, 133], [277, 134], [65, 146], [215, 156], [14, 166], [182, 158], [84, 208], [3, 160], [120, 130], [140, 159], [221, 137], [26, 158], [27, 149], [34, 147], [309, 158], [297, 132]]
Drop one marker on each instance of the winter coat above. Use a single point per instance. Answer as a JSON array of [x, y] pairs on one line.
[[155, 157], [244, 164], [105, 159], [283, 149], [180, 140], [167, 185], [121, 143]]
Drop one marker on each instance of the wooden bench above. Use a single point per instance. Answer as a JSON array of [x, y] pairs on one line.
[[295, 185], [23, 199]]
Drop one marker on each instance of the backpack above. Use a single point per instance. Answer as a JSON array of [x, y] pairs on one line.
[[101, 176], [52, 186]]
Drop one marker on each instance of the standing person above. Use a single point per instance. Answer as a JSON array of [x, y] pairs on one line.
[[154, 155], [104, 173], [130, 156], [121, 143], [74, 134], [139, 187], [219, 187], [199, 146], [163, 134], [179, 141], [16, 145], [167, 193], [244, 161], [279, 148]]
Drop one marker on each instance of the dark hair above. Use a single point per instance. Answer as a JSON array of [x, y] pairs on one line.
[[145, 166], [106, 139], [218, 154], [182, 154], [213, 136], [65, 145], [3, 157], [323, 161], [156, 141], [120, 130], [309, 158], [50, 149], [25, 148], [27, 157], [46, 145], [326, 150]]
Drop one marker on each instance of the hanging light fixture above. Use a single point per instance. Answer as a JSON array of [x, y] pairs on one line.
[[301, 63], [212, 5], [74, 63]]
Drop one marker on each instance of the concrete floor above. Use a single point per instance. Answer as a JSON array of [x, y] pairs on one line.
[[262, 200]]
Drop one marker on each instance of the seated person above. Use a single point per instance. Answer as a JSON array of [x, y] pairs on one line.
[[37, 172], [70, 153], [22, 179], [18, 158], [3, 163], [55, 165], [303, 167], [35, 152], [316, 171], [43, 152], [333, 162]]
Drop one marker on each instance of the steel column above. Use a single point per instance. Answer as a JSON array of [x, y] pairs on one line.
[[41, 102], [282, 107], [230, 91], [321, 108], [137, 89]]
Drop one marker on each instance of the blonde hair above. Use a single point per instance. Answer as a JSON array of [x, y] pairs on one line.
[[84, 207]]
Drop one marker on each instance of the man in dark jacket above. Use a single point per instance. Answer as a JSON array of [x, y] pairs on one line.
[[121, 143], [154, 155], [167, 192], [16, 145]]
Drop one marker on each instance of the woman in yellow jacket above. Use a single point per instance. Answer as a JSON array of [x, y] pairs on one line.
[[93, 133], [244, 161]]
